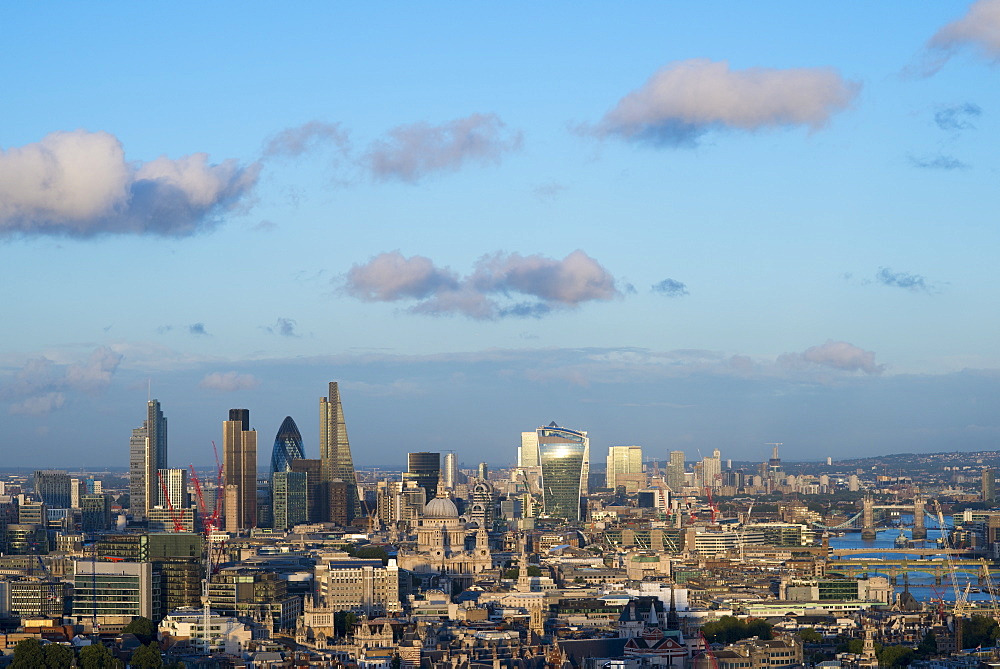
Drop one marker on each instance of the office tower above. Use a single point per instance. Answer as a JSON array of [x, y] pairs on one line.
[[53, 488], [289, 499], [562, 454], [989, 485], [675, 471], [335, 455], [175, 481], [95, 512], [623, 460], [483, 471], [527, 452], [239, 446], [450, 470], [424, 469], [147, 453], [287, 447], [711, 470], [317, 505]]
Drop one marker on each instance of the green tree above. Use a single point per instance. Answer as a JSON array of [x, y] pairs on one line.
[[343, 623], [979, 631], [894, 656], [147, 657], [728, 629], [28, 654], [928, 645], [58, 656], [373, 552], [96, 656], [142, 627], [810, 635]]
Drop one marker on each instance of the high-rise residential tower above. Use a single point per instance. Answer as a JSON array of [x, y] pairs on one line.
[[147, 453], [239, 446], [623, 460], [711, 470], [989, 485], [335, 457], [562, 454], [287, 447], [425, 470]]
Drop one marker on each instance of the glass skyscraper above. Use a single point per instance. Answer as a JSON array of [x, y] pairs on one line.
[[287, 447], [562, 454], [335, 457]]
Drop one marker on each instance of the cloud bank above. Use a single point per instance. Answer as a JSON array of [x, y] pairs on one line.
[[410, 152], [41, 385], [838, 355], [495, 288], [229, 382], [979, 29], [688, 98], [78, 184]]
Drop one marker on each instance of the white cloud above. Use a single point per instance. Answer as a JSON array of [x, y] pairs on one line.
[[292, 142], [79, 184], [979, 29], [41, 384], [411, 152], [838, 355], [229, 382], [547, 283], [688, 98]]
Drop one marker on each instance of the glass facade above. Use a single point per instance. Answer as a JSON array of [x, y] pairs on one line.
[[562, 454], [425, 470], [287, 447], [290, 499]]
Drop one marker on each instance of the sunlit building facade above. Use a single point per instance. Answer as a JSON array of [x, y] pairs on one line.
[[563, 455]]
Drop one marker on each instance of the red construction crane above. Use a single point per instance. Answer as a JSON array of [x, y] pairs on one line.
[[178, 525]]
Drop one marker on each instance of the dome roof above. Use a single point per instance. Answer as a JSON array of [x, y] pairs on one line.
[[441, 507]]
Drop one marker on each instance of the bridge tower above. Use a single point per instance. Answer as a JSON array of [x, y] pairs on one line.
[[919, 529], [868, 519]]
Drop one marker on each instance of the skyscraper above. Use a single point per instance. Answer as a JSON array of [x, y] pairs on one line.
[[289, 499], [623, 460], [563, 455], [711, 470], [239, 446], [449, 473], [147, 453], [989, 485], [425, 470], [675, 471], [335, 454], [287, 447], [175, 481], [527, 452]]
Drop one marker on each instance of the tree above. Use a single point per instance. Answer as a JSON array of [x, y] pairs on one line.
[[373, 552], [96, 656], [147, 657], [343, 623], [810, 635], [58, 656], [979, 631], [728, 629], [28, 654], [894, 656], [928, 645], [142, 627]]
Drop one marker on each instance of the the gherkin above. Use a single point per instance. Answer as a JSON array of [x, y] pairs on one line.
[[287, 447]]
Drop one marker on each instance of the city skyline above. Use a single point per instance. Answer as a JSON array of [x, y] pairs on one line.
[[646, 220]]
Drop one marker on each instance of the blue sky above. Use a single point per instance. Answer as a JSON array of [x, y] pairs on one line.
[[681, 225]]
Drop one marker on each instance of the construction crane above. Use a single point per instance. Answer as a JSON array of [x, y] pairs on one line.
[[959, 608], [178, 525], [991, 589]]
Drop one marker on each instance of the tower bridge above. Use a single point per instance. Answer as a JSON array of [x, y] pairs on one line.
[[867, 518]]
